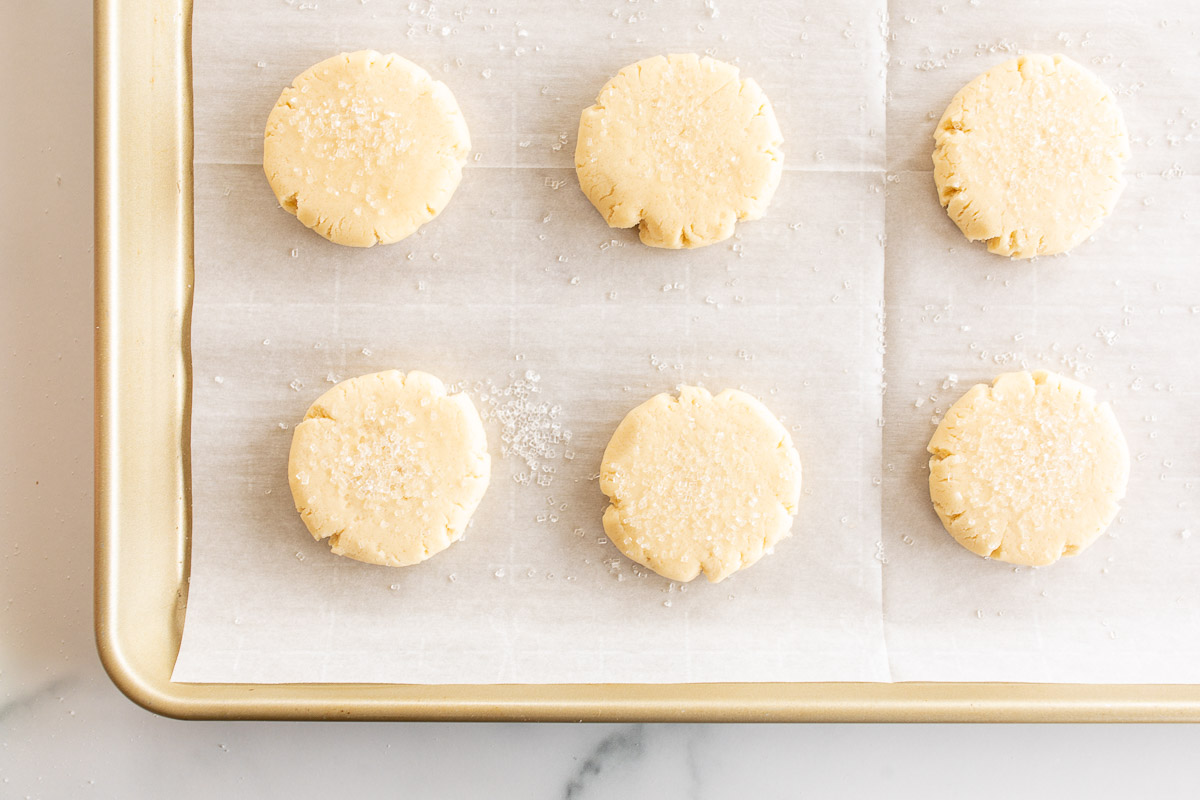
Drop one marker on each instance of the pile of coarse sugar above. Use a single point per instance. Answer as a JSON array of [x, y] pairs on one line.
[[529, 426]]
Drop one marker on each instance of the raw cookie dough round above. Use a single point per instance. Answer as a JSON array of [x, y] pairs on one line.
[[389, 467], [1028, 469], [365, 148], [699, 483], [682, 147], [1028, 156]]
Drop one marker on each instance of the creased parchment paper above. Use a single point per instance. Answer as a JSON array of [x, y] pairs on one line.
[[520, 285]]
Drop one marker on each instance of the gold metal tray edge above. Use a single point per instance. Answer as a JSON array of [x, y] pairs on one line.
[[143, 149]]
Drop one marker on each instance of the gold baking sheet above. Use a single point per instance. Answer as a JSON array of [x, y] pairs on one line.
[[143, 296]]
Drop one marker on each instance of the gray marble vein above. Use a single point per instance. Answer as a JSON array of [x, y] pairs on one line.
[[27, 700], [624, 745]]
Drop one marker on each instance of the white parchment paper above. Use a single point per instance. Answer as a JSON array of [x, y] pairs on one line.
[[1121, 313], [520, 281]]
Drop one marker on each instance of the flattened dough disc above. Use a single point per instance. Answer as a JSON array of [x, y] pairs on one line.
[[682, 147], [389, 467], [1028, 156], [699, 483], [365, 148], [1028, 469]]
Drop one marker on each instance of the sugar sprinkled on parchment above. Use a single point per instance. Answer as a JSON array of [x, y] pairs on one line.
[[530, 428]]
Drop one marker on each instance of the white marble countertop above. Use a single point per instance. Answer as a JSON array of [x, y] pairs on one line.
[[65, 731]]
